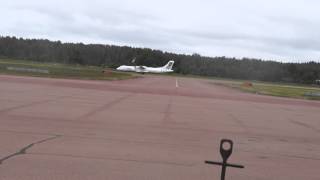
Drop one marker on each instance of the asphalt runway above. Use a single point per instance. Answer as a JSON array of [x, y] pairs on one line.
[[152, 128]]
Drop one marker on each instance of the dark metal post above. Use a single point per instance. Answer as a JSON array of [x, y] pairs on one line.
[[225, 154]]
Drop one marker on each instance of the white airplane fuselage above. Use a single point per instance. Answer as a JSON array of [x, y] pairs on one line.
[[144, 69]]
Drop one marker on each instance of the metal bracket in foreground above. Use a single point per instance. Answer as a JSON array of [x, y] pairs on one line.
[[226, 147]]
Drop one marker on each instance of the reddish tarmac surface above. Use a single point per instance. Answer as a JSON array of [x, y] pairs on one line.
[[160, 128]]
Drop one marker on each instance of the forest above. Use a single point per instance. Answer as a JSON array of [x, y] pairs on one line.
[[43, 50]]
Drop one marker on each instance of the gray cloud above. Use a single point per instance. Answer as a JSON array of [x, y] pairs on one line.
[[278, 30]]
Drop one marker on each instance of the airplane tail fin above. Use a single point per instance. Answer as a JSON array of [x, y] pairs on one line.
[[169, 65]]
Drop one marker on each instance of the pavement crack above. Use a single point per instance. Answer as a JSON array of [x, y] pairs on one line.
[[31, 104], [24, 149], [239, 122], [105, 106], [301, 124], [171, 163], [167, 112]]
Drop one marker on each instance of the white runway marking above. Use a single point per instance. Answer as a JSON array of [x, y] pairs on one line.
[[177, 84]]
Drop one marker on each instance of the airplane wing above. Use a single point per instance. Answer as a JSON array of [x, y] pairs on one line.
[[141, 69]]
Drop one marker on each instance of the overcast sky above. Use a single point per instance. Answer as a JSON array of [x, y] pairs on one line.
[[283, 30]]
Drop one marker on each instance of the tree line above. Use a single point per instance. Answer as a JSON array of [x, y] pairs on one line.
[[43, 50]]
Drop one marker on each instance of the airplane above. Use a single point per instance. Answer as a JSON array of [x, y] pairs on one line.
[[144, 69]]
